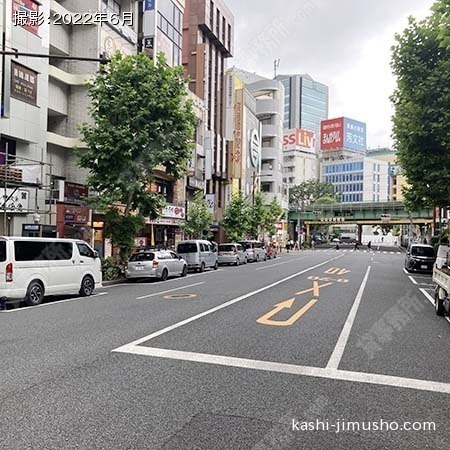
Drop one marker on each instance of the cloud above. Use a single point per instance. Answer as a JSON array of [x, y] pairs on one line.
[[344, 44]]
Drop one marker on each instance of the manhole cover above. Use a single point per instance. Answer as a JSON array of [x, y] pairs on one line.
[[180, 296]]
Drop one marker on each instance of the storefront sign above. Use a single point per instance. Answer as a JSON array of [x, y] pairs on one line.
[[164, 221], [255, 148], [73, 214], [211, 201], [26, 14], [76, 193], [140, 242], [236, 155], [16, 201], [171, 211], [23, 83]]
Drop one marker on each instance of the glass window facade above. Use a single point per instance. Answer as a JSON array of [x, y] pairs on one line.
[[170, 22], [313, 105], [287, 103], [348, 180]]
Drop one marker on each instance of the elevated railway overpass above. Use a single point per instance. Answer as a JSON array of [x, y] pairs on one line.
[[360, 214]]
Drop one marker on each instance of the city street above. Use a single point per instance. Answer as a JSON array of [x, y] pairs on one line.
[[233, 359]]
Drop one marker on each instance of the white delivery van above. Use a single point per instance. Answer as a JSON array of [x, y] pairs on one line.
[[199, 254], [31, 268]]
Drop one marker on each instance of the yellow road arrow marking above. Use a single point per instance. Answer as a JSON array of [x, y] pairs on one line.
[[267, 318], [314, 289]]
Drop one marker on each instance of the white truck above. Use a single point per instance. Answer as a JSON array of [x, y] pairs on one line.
[[441, 277]]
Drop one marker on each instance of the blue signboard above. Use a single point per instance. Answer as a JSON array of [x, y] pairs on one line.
[[355, 135], [149, 5]]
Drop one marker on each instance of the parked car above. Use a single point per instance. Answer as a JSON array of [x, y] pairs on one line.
[[198, 254], [155, 264], [31, 268], [271, 251], [232, 254], [420, 258], [254, 250], [441, 278]]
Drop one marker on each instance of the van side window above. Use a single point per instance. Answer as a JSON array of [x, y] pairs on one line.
[[203, 248], [42, 251], [2, 251], [85, 250]]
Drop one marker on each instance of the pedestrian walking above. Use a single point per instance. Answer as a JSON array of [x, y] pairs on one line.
[[369, 246]]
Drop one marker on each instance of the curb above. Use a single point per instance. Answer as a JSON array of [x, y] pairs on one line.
[[114, 282]]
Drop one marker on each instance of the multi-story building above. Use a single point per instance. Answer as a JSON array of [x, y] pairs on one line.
[[208, 35], [23, 122], [243, 134], [358, 179], [269, 95], [305, 102], [300, 157], [397, 181]]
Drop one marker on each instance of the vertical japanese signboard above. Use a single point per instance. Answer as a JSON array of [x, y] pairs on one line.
[[236, 155], [23, 83]]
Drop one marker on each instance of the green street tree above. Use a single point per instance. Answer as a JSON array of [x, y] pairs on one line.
[[421, 63], [309, 192], [236, 218], [199, 217], [140, 120], [326, 201], [274, 213], [258, 213]]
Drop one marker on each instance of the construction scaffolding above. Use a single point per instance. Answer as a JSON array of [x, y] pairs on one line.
[[18, 177]]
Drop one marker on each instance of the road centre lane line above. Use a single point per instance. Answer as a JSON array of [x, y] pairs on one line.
[[267, 366], [170, 290], [280, 264], [56, 302], [222, 306], [338, 351], [431, 300]]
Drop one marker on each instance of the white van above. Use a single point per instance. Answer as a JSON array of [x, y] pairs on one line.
[[31, 268], [198, 254]]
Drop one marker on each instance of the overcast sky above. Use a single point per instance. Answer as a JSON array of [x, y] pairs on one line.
[[342, 43]]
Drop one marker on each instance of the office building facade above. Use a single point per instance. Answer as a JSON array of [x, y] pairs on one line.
[[208, 35], [359, 179], [305, 102], [269, 95], [243, 134]]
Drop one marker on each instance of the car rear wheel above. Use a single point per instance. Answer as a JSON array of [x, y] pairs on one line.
[[87, 286], [35, 294], [202, 267], [237, 263], [164, 275], [216, 266], [185, 271], [438, 304]]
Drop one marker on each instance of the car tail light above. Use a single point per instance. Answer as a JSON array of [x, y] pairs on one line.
[[126, 265], [9, 273], [155, 264], [235, 251]]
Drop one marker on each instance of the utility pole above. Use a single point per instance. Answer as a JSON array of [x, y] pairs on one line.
[[140, 30]]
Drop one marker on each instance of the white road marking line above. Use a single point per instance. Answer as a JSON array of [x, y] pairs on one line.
[[431, 300], [156, 294], [316, 372], [168, 281], [413, 280], [56, 302], [223, 305], [279, 264], [338, 351]]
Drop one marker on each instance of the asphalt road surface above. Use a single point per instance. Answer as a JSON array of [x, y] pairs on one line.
[[321, 349]]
